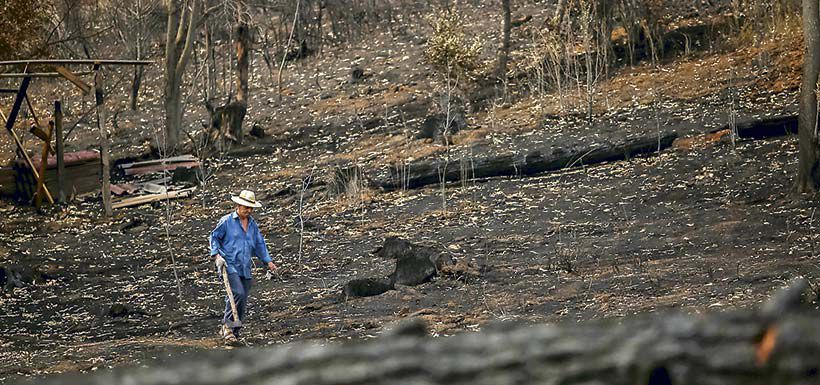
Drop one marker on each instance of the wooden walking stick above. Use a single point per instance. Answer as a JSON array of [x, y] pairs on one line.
[[236, 322]]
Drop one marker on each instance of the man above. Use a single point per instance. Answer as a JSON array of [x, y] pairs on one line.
[[234, 241]]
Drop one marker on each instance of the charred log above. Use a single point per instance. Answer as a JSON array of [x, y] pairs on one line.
[[535, 161], [722, 348], [770, 127]]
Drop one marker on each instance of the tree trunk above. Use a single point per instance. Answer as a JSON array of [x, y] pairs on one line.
[[505, 41], [235, 112], [182, 22], [173, 117], [136, 82], [808, 168], [135, 86], [779, 346]]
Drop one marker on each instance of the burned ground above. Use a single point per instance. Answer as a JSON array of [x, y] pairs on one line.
[[707, 224]]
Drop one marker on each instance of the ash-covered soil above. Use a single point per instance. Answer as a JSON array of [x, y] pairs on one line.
[[706, 225]]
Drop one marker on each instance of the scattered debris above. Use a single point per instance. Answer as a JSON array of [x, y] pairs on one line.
[[157, 165], [138, 200]]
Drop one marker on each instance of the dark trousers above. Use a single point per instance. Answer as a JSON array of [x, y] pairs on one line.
[[240, 287]]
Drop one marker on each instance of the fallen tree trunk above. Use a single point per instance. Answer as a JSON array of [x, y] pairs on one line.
[[534, 161], [778, 345], [770, 127]]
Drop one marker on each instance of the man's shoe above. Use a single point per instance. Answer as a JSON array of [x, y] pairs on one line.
[[227, 336]]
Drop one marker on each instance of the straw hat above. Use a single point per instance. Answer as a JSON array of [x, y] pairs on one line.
[[246, 198]]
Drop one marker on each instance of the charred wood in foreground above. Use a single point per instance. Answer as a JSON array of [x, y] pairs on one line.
[[535, 161], [723, 348]]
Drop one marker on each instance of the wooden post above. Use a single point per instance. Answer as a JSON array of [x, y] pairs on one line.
[[104, 156], [41, 179], [58, 126]]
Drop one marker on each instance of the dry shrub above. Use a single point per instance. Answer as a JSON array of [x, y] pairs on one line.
[[758, 20], [449, 50]]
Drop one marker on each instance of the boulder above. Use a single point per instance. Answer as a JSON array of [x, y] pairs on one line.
[[366, 287]]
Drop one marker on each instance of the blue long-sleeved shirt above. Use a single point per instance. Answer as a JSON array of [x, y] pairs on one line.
[[238, 246]]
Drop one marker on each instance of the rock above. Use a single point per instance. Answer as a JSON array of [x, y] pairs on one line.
[[118, 310], [12, 277], [190, 176], [356, 74], [410, 327], [134, 226], [258, 132], [366, 287]]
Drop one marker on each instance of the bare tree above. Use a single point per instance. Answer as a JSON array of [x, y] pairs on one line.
[[133, 29], [808, 167]]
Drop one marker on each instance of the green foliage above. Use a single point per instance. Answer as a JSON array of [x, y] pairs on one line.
[[22, 28], [449, 50]]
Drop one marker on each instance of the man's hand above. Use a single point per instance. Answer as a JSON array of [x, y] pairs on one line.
[[220, 263], [272, 267]]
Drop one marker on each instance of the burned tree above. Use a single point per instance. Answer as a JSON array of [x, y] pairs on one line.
[[808, 167], [505, 40], [234, 112], [183, 18]]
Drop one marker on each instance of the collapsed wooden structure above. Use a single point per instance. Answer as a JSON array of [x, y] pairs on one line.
[[29, 170]]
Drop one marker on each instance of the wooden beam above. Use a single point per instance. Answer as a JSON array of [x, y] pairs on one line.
[[152, 162], [31, 110], [160, 167], [135, 201], [74, 79], [76, 61], [37, 74], [58, 126], [18, 102], [104, 155], [38, 132], [37, 129]]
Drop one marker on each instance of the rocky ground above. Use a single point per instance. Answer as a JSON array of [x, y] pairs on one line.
[[705, 225]]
